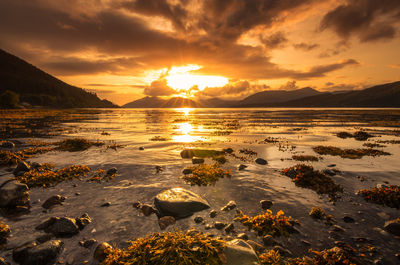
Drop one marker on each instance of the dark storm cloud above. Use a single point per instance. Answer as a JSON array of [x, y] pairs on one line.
[[305, 46], [368, 19], [78, 66], [206, 36], [322, 70], [278, 39], [159, 88]]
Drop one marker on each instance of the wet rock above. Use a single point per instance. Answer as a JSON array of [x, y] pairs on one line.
[[187, 171], [378, 262], [106, 204], [196, 160], [141, 148], [256, 246], [393, 226], [242, 167], [147, 209], [261, 161], [83, 221], [53, 201], [158, 169], [228, 150], [229, 228], [7, 144], [268, 241], [187, 153], [198, 219], [213, 213], [283, 251], [379, 186], [42, 254], [348, 219], [219, 225], [208, 227], [238, 252], [331, 165], [100, 251], [166, 221], [60, 226], [111, 171], [44, 238], [266, 204], [3, 262], [242, 236], [13, 193], [229, 206], [179, 203], [35, 165], [88, 243], [329, 172], [21, 168]]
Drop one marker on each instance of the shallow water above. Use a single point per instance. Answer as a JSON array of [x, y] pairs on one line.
[[296, 130]]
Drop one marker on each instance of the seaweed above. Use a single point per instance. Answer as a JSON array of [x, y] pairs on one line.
[[159, 139], [268, 223], [306, 177], [386, 195], [348, 153], [359, 135], [305, 158], [76, 144], [4, 233], [8, 158], [45, 176], [180, 248], [204, 153], [101, 175], [204, 175], [317, 213]]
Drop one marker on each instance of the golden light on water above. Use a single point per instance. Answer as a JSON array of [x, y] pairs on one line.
[[181, 78]]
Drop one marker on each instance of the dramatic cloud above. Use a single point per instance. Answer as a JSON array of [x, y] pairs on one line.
[[159, 88], [278, 39], [370, 20], [305, 46]]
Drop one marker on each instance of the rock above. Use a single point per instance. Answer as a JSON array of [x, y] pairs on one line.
[[338, 228], [187, 171], [331, 165], [166, 221], [52, 201], [242, 167], [147, 209], [283, 251], [7, 144], [266, 204], [219, 225], [60, 226], [42, 254], [198, 219], [187, 153], [35, 165], [268, 241], [13, 193], [305, 242], [83, 221], [379, 186], [3, 262], [257, 247], [44, 238], [213, 213], [100, 251], [21, 168], [348, 219], [179, 203], [111, 171], [329, 172], [238, 252], [88, 243], [229, 228], [261, 161], [141, 148], [228, 150], [393, 226], [378, 262], [106, 204], [229, 206], [242, 236], [197, 160], [208, 227]]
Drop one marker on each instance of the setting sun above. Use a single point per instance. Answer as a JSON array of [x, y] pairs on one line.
[[181, 78]]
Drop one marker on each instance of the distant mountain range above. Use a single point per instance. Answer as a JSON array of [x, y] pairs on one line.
[[37, 88], [386, 95]]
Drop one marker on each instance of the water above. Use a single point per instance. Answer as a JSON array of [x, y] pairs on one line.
[[295, 131]]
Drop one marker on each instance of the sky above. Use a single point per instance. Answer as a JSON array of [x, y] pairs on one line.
[[127, 49]]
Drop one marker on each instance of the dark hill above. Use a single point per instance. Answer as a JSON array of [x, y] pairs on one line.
[[156, 102], [41, 89]]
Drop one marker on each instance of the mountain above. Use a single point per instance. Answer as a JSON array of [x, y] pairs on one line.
[[384, 96], [156, 102], [35, 87], [276, 96]]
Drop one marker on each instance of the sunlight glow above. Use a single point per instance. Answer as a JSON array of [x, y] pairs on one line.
[[180, 78], [185, 128]]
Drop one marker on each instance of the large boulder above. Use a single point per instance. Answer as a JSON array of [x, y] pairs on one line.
[[179, 203], [238, 252], [393, 226], [14, 193], [43, 254]]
